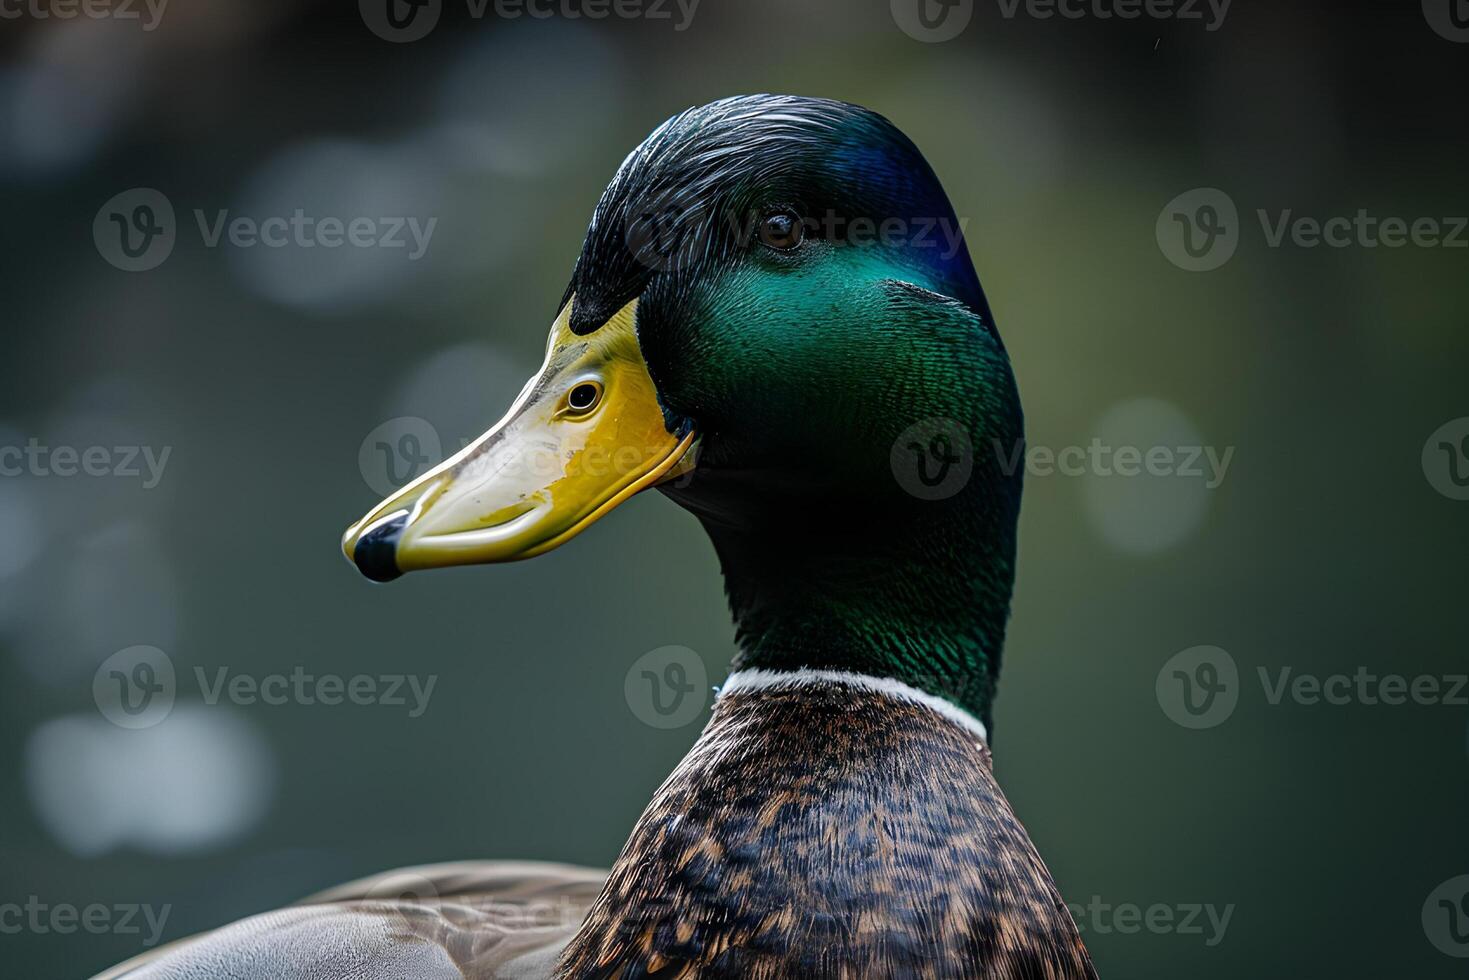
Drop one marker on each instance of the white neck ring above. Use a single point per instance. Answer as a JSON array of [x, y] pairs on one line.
[[759, 680]]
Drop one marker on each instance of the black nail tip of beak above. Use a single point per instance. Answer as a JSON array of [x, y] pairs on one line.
[[376, 551]]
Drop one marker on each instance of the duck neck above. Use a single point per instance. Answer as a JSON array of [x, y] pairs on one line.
[[919, 595]]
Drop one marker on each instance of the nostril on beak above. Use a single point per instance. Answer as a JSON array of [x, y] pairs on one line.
[[375, 552]]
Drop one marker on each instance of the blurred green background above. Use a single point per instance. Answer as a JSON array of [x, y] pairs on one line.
[[1326, 548]]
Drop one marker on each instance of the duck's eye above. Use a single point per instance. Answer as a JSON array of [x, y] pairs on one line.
[[584, 397], [782, 230]]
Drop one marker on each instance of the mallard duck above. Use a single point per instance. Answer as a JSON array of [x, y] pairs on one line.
[[765, 324]]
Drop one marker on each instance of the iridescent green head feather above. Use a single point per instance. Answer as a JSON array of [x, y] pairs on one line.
[[805, 306]]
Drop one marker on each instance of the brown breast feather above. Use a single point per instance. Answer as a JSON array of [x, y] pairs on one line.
[[833, 832]]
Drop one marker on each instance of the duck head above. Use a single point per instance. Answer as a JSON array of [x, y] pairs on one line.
[[775, 320]]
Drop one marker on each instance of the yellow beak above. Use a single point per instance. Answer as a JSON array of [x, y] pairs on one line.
[[585, 434]]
